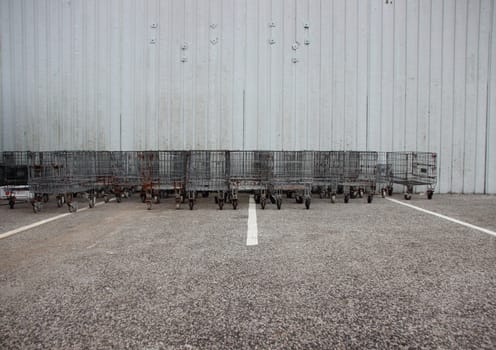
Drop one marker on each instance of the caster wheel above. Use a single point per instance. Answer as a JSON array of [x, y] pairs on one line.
[[72, 207], [307, 203], [36, 207], [279, 203], [346, 198], [272, 199], [257, 199], [369, 198], [408, 196]]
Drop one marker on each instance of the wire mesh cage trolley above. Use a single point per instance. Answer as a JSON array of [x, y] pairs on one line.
[[412, 169]]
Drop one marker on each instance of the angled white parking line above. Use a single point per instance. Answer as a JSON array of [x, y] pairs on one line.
[[39, 223], [466, 224], [252, 234]]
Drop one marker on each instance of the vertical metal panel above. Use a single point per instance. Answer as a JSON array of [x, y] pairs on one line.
[[490, 116], [434, 127], [205, 74]]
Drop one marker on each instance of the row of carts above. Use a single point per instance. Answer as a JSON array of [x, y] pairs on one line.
[[186, 175]]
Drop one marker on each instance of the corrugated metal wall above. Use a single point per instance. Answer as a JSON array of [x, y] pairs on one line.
[[255, 74]]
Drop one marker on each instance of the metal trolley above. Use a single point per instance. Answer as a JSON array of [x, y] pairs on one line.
[[359, 175], [383, 173], [413, 169], [64, 174], [117, 174], [162, 173], [207, 171], [292, 174], [327, 172], [14, 177], [249, 171]]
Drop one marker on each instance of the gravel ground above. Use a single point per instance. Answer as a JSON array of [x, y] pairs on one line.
[[337, 276]]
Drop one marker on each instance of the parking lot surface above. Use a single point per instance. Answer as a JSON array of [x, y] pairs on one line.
[[353, 275]]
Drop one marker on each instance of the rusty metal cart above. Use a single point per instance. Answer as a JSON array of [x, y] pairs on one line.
[[412, 169], [359, 175]]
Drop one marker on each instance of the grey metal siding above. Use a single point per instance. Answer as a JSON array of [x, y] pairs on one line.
[[255, 74]]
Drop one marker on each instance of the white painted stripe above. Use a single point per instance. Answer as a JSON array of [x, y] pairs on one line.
[[36, 224], [252, 234], [466, 224], [39, 223]]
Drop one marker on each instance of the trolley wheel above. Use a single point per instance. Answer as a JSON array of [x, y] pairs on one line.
[[408, 196], [369, 198], [36, 207], [257, 199], [383, 193], [307, 202], [44, 198], [430, 193], [333, 198], [11, 203], [72, 207], [279, 203], [263, 201], [235, 204], [360, 193], [191, 204], [221, 203], [272, 199], [346, 198]]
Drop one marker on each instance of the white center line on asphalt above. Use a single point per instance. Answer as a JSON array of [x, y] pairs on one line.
[[39, 223], [252, 234], [466, 224]]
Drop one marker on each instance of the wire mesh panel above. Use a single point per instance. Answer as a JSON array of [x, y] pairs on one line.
[[383, 173], [207, 171], [327, 172], [359, 174], [413, 169], [292, 173], [250, 171], [117, 173], [64, 174]]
